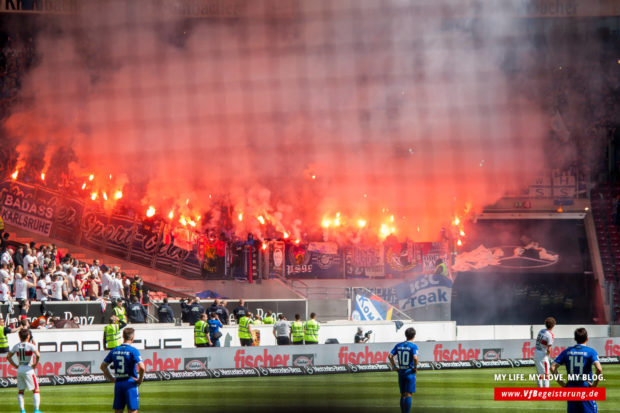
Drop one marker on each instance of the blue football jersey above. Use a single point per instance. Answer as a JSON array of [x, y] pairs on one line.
[[578, 361], [404, 353], [124, 360]]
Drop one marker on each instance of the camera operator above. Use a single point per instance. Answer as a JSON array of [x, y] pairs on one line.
[[361, 337]]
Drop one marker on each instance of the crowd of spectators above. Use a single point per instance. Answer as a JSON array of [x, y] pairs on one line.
[[41, 273]]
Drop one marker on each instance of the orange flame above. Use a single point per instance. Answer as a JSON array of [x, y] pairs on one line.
[[43, 176], [15, 174], [105, 196], [118, 194], [326, 223], [93, 196], [296, 242], [84, 186], [91, 177], [171, 214], [361, 223], [150, 212], [240, 216], [462, 233], [459, 243], [457, 221], [261, 219], [264, 246], [286, 235]]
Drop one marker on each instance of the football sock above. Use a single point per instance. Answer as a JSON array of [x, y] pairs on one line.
[[402, 402], [546, 383], [20, 399], [540, 382], [36, 398], [406, 404]]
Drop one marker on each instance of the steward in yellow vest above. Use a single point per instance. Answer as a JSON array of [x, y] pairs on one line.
[[201, 332], [311, 330], [245, 331], [121, 313], [297, 330], [269, 318], [112, 334]]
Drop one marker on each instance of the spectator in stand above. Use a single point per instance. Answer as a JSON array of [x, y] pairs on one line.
[[29, 259], [7, 256], [41, 322], [4, 271], [136, 311], [24, 307], [21, 288], [5, 292], [94, 269], [116, 287], [93, 288], [18, 257], [136, 288], [214, 329], [165, 312], [32, 278], [106, 278], [4, 241], [240, 311], [59, 290], [194, 310], [42, 293], [74, 296]]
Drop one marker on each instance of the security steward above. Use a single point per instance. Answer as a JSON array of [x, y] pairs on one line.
[[194, 310], [269, 318], [121, 313], [297, 330], [112, 334], [441, 268], [4, 341], [311, 330], [201, 332], [165, 312], [245, 330]]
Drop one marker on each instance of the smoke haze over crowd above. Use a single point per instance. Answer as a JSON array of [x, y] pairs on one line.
[[352, 113]]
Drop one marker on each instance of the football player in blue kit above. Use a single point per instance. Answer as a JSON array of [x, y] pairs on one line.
[[406, 353], [129, 373], [579, 360]]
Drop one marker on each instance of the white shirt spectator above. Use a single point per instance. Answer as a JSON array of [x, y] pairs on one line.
[[116, 286], [41, 290], [7, 258], [21, 288], [4, 275], [57, 287], [29, 259], [5, 293], [106, 279], [74, 297]]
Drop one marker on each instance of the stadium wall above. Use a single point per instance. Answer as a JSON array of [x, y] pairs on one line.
[[167, 336]]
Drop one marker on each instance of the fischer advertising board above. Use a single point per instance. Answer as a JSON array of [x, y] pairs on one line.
[[175, 364]]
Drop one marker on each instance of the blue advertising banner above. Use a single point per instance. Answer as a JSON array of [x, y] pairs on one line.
[[424, 290]]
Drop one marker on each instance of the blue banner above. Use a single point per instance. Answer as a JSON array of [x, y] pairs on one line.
[[424, 290], [371, 308]]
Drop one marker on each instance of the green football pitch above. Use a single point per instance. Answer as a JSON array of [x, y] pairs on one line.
[[437, 391]]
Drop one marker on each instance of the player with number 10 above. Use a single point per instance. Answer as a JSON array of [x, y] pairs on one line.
[[406, 353]]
